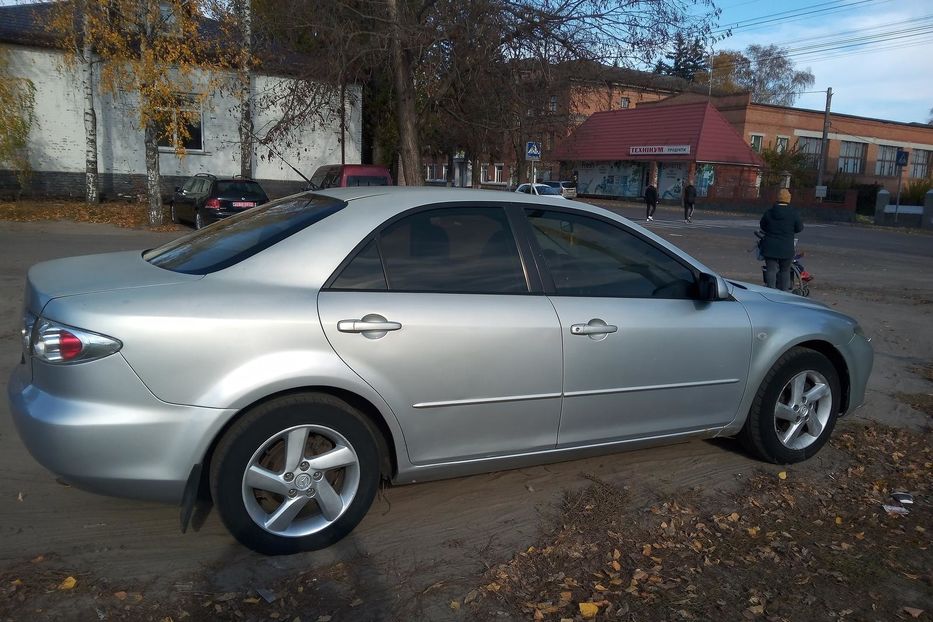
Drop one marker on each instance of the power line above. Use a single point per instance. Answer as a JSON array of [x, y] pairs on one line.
[[823, 8]]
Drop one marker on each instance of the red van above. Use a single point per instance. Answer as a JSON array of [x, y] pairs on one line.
[[345, 175]]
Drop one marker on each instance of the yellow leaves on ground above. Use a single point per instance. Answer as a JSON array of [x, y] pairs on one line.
[[588, 610], [782, 475], [68, 583]]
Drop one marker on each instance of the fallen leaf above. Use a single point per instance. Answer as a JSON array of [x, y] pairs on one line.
[[734, 517], [16, 582], [455, 604], [68, 584], [753, 531], [36, 560], [588, 610], [565, 597], [538, 615], [782, 475], [913, 612], [356, 602], [646, 550], [252, 600], [757, 609], [121, 595], [493, 587], [616, 566], [838, 520]]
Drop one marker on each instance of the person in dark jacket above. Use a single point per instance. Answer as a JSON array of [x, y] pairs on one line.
[[779, 225], [651, 201], [690, 197]]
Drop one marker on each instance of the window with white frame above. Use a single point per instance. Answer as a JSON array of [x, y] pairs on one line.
[[500, 177], [181, 125], [920, 163], [484, 173], [851, 157], [811, 148], [436, 172], [553, 104], [781, 144], [756, 142], [886, 162], [624, 102]]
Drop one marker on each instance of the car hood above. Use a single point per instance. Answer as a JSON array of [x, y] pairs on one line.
[[94, 273], [775, 295]]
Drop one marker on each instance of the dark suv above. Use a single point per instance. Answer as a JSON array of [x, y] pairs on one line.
[[206, 198]]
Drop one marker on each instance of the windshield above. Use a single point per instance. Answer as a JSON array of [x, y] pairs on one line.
[[233, 239]]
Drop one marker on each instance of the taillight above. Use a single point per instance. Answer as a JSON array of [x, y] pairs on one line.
[[60, 344], [212, 204]]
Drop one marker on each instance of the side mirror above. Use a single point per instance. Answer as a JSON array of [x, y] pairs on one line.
[[712, 287]]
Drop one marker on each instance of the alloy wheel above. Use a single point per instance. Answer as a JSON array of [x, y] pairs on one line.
[[803, 409], [301, 480]]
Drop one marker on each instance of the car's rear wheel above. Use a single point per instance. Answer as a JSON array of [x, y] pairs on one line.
[[795, 409], [198, 219], [297, 473]]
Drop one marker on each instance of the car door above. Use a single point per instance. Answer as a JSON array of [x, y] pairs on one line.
[[182, 199], [434, 311], [643, 356]]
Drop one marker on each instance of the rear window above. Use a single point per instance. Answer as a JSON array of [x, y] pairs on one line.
[[239, 187], [233, 239], [367, 180]]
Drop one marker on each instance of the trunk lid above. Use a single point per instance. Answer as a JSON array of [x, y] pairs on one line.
[[94, 273]]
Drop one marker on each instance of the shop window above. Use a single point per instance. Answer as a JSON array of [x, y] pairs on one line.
[[886, 162], [851, 157], [920, 163], [756, 142]]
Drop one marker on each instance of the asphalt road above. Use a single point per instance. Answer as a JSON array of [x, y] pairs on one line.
[[416, 536]]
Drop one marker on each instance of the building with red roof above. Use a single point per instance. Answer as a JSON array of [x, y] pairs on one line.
[[619, 152]]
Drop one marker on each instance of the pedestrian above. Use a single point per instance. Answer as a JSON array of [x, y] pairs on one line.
[[690, 197], [779, 225], [651, 201]]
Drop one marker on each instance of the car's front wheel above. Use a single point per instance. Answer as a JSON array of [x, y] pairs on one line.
[[297, 473], [794, 411]]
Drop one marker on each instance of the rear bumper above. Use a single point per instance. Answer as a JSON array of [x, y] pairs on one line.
[[98, 427]]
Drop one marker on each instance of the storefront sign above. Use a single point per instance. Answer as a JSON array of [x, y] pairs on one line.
[[660, 150]]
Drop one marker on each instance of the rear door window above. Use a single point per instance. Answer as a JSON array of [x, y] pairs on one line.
[[240, 188], [233, 239]]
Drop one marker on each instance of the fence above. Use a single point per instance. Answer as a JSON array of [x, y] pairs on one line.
[[837, 206]]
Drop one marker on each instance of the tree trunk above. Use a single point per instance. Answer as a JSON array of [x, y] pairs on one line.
[[153, 192], [409, 149], [92, 184], [246, 78]]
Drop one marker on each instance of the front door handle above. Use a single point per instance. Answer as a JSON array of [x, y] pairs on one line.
[[595, 329], [372, 326]]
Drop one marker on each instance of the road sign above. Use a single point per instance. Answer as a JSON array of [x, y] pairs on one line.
[[901, 157], [821, 192], [533, 151]]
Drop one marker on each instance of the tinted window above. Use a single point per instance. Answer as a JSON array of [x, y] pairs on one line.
[[189, 185], [234, 239], [239, 188], [363, 272], [317, 180], [367, 180], [590, 257], [547, 190], [467, 250]]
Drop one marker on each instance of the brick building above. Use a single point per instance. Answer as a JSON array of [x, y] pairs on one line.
[[861, 149]]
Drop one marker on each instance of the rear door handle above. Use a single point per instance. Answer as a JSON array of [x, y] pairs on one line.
[[362, 326], [371, 326]]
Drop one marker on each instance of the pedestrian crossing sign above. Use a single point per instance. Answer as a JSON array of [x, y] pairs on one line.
[[533, 150]]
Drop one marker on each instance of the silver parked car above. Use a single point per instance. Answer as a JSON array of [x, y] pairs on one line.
[[287, 359]]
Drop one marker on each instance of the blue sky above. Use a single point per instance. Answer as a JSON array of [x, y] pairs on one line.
[[888, 79]]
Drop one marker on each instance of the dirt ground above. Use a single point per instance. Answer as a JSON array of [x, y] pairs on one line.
[[728, 536]]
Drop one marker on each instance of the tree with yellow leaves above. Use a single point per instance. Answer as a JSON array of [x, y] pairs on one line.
[[17, 116], [156, 52]]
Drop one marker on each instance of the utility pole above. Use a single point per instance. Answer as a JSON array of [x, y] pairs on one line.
[[821, 167]]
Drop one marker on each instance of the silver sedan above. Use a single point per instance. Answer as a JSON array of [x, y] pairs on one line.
[[287, 359]]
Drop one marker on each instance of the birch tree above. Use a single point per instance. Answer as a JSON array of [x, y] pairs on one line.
[[91, 181]]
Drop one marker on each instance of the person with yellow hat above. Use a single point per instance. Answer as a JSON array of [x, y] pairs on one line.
[[779, 224]]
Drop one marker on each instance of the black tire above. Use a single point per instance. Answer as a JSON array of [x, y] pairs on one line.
[[237, 447], [174, 214], [198, 219], [759, 435]]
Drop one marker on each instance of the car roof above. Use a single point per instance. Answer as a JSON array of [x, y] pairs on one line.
[[405, 197]]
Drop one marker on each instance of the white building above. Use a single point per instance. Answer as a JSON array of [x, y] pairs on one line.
[[57, 141]]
